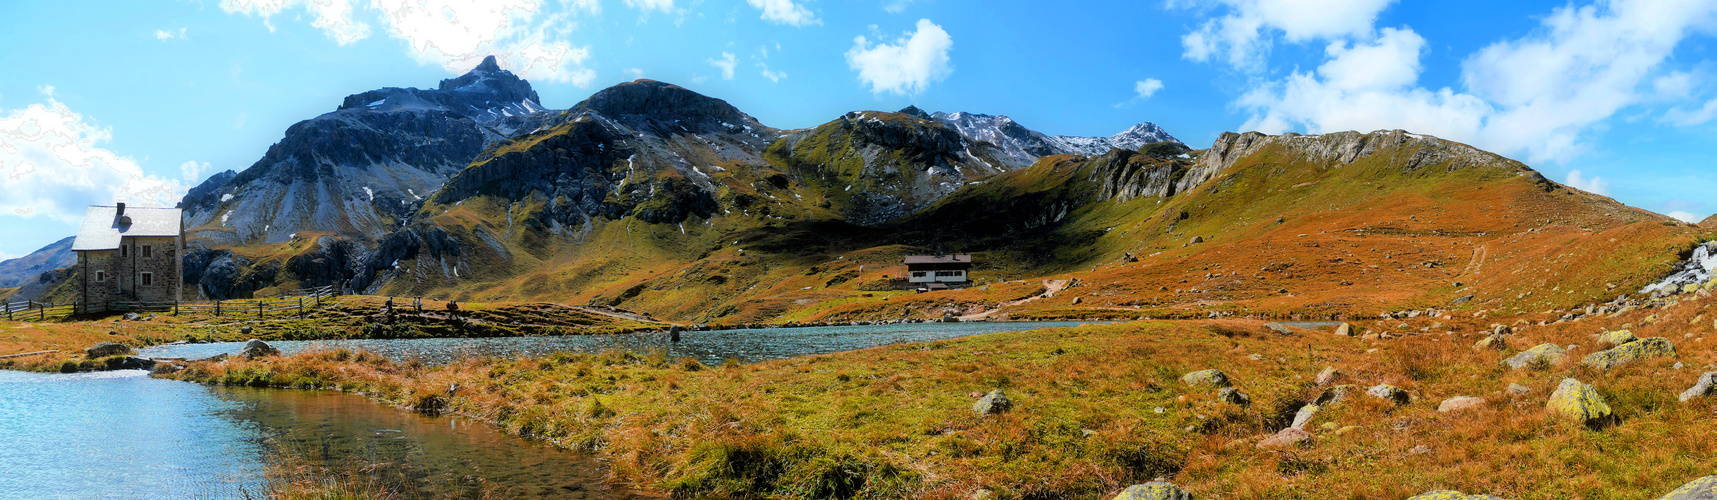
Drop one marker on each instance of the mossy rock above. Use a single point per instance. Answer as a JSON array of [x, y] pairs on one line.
[[1155, 490], [1629, 352], [1549, 354], [1617, 337], [1704, 488], [1391, 393], [1211, 377], [1580, 402]]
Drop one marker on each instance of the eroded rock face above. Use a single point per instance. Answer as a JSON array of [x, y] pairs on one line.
[[1580, 402]]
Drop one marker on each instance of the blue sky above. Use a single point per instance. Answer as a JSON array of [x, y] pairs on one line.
[[147, 98]]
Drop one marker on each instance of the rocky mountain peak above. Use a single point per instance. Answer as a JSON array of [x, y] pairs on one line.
[[488, 64], [492, 82], [915, 112], [654, 104]]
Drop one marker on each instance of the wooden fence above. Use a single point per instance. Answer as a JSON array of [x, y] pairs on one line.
[[39, 311], [291, 303]]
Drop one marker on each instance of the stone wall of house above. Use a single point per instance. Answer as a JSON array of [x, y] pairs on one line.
[[161, 260], [97, 293]]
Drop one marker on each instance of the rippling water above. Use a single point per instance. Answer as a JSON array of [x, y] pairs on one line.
[[712, 347]]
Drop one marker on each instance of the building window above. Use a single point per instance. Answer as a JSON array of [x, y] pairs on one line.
[[122, 250], [148, 279], [918, 274], [148, 251], [101, 276], [941, 274]]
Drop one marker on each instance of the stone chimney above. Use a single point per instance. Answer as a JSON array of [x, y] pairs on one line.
[[121, 212]]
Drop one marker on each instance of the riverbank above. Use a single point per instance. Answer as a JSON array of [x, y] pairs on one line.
[[1093, 409]]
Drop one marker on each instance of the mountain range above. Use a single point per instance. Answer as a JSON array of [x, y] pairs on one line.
[[653, 197]]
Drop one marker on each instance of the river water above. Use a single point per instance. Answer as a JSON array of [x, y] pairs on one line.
[[124, 435]]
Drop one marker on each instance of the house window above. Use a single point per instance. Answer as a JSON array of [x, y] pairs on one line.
[[148, 279], [122, 250], [148, 251], [101, 276], [918, 274]]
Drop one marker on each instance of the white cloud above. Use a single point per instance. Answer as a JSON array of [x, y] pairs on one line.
[[1684, 217], [1534, 95], [193, 170], [457, 34], [169, 35], [1147, 87], [785, 12], [651, 5], [773, 76], [726, 64], [634, 73], [45, 90], [1242, 37], [698, 80], [907, 66], [54, 167], [1674, 85], [1686, 118], [1594, 185], [896, 6]]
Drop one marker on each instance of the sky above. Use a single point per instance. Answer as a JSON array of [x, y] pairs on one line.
[[142, 100]]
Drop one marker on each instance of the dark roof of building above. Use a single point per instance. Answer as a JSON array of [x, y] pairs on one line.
[[102, 229], [939, 259]]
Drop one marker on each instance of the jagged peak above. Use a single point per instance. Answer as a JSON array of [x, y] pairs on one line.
[[915, 112], [489, 65]]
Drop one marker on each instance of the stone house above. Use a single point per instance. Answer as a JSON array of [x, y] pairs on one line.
[[129, 254]]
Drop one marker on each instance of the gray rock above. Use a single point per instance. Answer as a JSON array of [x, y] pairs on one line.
[[163, 368], [105, 349], [1616, 338], [1333, 395], [1154, 490], [133, 317], [1517, 390], [1630, 352], [1582, 403], [1390, 392], [1232, 395], [1304, 416], [1704, 488], [1345, 330], [1706, 387], [1211, 377], [1492, 342], [1328, 376], [993, 403], [1459, 403], [1549, 354], [255, 348], [1279, 328]]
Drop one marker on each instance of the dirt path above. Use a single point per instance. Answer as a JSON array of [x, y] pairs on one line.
[[1051, 287], [1477, 262]]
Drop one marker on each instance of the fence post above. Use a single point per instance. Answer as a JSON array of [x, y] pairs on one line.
[[8, 311], [301, 308], [175, 307], [259, 309], [217, 309]]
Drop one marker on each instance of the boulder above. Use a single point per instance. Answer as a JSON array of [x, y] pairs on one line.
[[1550, 354], [1517, 390], [1232, 395], [105, 349], [1450, 495], [136, 363], [1286, 438], [1706, 387], [1459, 403], [1329, 376], [1616, 338], [1630, 352], [1212, 377], [1345, 330], [1704, 488], [255, 348], [993, 403], [1279, 328], [1582, 403], [1154, 490], [1304, 416], [1333, 395], [166, 368], [133, 317], [1492, 342], [1391, 393]]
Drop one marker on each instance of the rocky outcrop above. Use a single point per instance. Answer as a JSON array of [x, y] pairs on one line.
[[1616, 338], [993, 403], [1705, 387], [1404, 150], [1125, 174], [1704, 488], [223, 275]]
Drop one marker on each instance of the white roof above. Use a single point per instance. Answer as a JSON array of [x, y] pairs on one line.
[[102, 231]]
